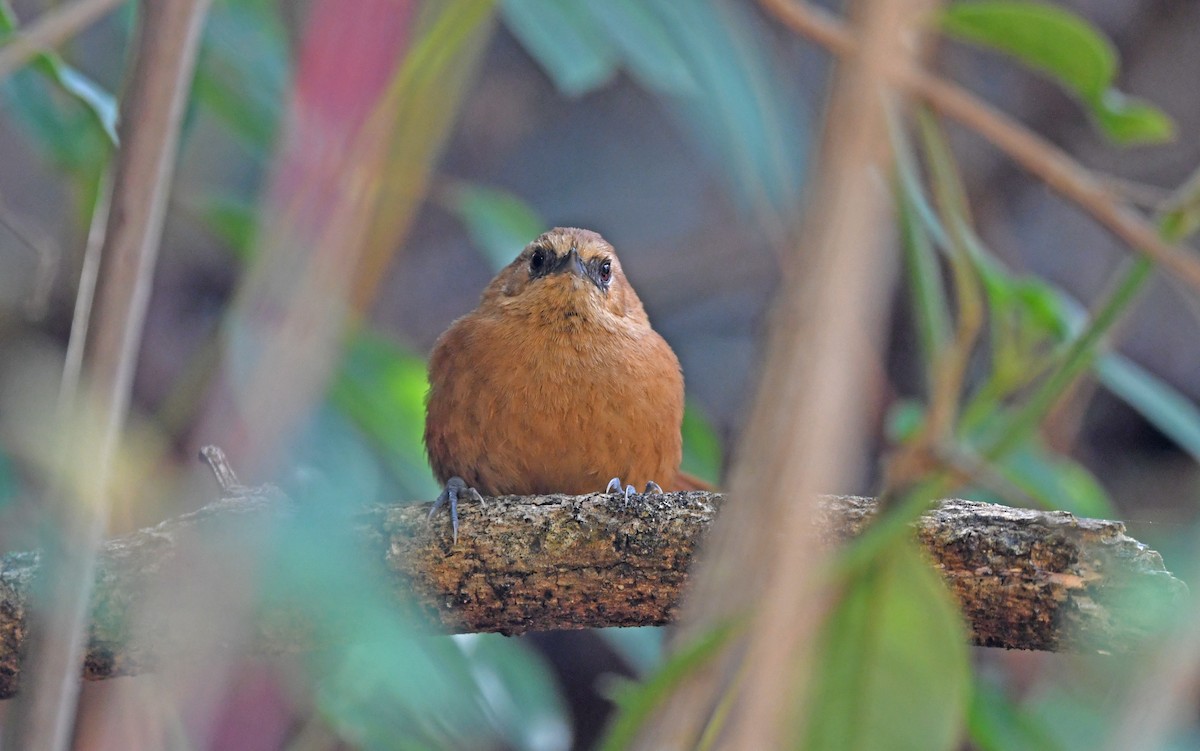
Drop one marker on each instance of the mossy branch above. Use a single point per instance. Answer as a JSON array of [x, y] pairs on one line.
[[1026, 579]]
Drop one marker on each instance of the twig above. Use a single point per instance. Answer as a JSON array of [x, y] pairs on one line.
[[51, 30], [159, 82], [1037, 155], [1026, 579]]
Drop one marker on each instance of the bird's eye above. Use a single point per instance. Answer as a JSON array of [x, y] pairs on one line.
[[606, 272], [537, 261]]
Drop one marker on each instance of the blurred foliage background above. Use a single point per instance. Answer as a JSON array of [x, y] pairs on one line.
[[682, 132]]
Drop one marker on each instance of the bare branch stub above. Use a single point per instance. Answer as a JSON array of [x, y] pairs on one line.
[[1026, 579]]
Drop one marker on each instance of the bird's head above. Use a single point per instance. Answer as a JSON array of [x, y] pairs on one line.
[[567, 273]]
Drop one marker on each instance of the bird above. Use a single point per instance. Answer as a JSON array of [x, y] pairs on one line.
[[555, 383]]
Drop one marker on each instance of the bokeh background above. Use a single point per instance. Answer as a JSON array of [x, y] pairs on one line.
[[682, 131]]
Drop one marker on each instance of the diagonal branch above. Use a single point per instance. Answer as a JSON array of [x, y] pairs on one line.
[[50, 30], [1026, 579], [1037, 155]]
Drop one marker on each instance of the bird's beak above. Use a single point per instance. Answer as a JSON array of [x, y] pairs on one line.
[[571, 263]]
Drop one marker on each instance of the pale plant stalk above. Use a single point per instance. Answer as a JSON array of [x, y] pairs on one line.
[[151, 115], [807, 430]]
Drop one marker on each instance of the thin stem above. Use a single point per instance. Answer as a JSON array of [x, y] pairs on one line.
[[1037, 155]]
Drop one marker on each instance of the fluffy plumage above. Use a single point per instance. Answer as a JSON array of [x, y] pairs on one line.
[[556, 382]]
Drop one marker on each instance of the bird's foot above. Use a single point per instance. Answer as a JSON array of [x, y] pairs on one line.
[[614, 486], [454, 487]]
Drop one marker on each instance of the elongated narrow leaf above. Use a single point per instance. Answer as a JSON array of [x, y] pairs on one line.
[[564, 39], [98, 101], [1168, 410], [421, 102], [1067, 48], [243, 70], [1057, 482], [637, 702], [645, 44], [894, 671], [743, 112]]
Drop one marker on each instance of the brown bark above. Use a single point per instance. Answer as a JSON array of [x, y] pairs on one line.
[[1026, 579]]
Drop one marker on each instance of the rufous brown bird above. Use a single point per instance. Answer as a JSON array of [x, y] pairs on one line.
[[555, 383]]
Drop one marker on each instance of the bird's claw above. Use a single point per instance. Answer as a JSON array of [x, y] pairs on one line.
[[614, 486], [454, 486]]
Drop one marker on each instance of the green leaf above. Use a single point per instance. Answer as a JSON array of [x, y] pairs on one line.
[[701, 446], [98, 101], [904, 420], [1067, 48], [645, 44], [894, 670], [744, 114], [1057, 482], [1130, 120], [382, 388], [243, 69], [1168, 410], [996, 723], [1044, 37], [232, 219], [636, 702], [519, 693], [499, 223], [1181, 216], [924, 276], [563, 37]]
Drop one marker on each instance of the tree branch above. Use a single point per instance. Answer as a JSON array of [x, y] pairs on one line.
[[1037, 155], [1026, 579]]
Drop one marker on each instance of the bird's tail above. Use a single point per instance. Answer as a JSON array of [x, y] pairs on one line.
[[684, 481]]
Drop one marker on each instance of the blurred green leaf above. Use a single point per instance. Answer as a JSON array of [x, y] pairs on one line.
[[97, 100], [922, 272], [9, 480], [701, 446], [996, 723], [562, 36], [1168, 410], [744, 114], [1181, 216], [243, 69], [382, 389], [231, 218], [1073, 717], [645, 43], [1070, 50], [421, 101], [893, 670], [636, 702], [1129, 120], [905, 419], [499, 223], [640, 646], [519, 692], [713, 60], [67, 117], [1057, 482]]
